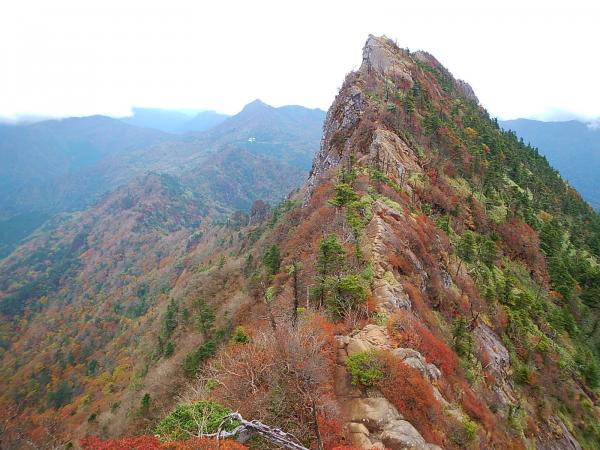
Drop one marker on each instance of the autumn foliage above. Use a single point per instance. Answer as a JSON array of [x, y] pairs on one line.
[[523, 242], [409, 332], [153, 443], [408, 391], [477, 410]]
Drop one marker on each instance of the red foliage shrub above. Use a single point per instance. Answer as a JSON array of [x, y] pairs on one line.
[[409, 332], [331, 431], [449, 169], [153, 443], [522, 242], [479, 216], [418, 303], [363, 135], [370, 305], [399, 197], [400, 263], [408, 391], [477, 410]]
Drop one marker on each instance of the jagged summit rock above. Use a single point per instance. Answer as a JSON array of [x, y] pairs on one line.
[[383, 61], [384, 56]]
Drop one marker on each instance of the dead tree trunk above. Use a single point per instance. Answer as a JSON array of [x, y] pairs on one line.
[[295, 267], [247, 429]]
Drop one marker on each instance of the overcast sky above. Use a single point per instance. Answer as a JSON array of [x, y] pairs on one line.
[[80, 57]]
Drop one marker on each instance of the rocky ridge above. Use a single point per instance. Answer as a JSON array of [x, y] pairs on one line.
[[371, 421]]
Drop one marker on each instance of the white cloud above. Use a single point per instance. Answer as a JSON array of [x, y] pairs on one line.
[[73, 57], [594, 124]]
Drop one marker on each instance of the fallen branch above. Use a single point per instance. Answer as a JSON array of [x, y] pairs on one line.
[[247, 429]]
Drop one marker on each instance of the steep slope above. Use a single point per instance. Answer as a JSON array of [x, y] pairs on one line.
[[109, 271], [572, 147], [83, 290], [437, 286], [236, 178], [433, 284], [43, 165]]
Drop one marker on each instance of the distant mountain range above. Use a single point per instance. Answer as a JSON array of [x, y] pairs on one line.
[[67, 165], [174, 121], [434, 282], [571, 147]]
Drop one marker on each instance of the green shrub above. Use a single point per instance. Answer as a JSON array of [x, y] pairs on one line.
[[169, 349], [272, 260], [470, 429], [204, 316], [344, 194], [240, 336], [145, 405], [365, 368], [203, 417], [344, 293], [193, 360]]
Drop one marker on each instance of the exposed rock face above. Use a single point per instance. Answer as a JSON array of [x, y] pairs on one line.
[[499, 361], [415, 360], [341, 118], [374, 413], [381, 54], [371, 337], [375, 421], [556, 436], [466, 89], [401, 435], [392, 156], [259, 212], [372, 421]]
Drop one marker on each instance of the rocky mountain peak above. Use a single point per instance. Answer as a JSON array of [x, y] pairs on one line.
[[382, 55], [360, 122]]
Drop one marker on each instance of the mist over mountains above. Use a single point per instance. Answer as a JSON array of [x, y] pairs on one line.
[[68, 164], [174, 121], [398, 273]]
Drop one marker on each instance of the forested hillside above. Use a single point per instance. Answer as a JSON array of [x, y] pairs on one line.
[[434, 284], [67, 165], [571, 147]]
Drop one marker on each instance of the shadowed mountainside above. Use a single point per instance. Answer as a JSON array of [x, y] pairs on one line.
[[572, 147]]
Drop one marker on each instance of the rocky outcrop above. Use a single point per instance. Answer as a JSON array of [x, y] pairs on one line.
[[341, 118], [375, 422], [376, 126], [556, 436], [498, 362], [259, 212], [371, 420], [371, 337], [466, 90], [373, 413], [401, 435], [382, 55], [415, 360], [392, 156]]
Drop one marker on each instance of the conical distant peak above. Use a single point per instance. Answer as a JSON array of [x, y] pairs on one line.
[[256, 105]]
